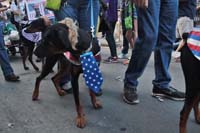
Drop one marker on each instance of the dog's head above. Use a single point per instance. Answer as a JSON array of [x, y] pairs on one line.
[[39, 24], [61, 37], [54, 41]]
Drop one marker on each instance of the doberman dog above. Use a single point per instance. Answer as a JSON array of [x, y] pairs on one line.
[[30, 35], [191, 69], [57, 39]]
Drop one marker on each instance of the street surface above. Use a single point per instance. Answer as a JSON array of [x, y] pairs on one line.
[[55, 114]]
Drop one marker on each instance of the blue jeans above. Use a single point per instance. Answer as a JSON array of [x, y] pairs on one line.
[[156, 31], [78, 10], [4, 59]]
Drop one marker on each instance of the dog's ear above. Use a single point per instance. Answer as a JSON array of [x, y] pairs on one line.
[[38, 24], [62, 35], [84, 40]]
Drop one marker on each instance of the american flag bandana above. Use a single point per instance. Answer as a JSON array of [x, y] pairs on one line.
[[91, 72], [194, 42]]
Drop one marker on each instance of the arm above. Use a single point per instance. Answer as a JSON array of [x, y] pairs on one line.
[[181, 44]]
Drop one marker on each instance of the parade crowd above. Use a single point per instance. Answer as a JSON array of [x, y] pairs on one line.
[[147, 26]]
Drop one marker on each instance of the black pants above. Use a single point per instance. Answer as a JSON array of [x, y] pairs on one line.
[[111, 40], [191, 70]]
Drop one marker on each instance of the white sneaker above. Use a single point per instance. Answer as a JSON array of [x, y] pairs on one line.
[[67, 86], [123, 56]]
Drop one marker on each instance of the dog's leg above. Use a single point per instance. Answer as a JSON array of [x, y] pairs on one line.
[[184, 117], [63, 71], [50, 62], [197, 110], [80, 120], [30, 58], [96, 104], [25, 55], [188, 105]]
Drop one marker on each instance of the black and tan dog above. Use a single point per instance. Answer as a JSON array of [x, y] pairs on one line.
[[191, 69], [29, 36], [57, 39]]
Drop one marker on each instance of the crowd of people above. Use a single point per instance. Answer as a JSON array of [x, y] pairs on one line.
[[145, 31]]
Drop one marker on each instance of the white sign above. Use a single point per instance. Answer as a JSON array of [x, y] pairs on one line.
[[36, 8]]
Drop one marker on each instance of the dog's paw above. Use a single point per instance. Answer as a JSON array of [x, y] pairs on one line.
[[97, 105], [61, 92], [80, 121], [35, 96]]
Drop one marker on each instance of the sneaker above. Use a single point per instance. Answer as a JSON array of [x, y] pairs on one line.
[[123, 56], [12, 78], [130, 95], [111, 60], [169, 92], [67, 87]]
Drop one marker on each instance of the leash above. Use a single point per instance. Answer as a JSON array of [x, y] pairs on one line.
[[91, 73], [91, 18]]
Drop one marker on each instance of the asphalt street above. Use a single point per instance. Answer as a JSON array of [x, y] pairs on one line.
[[55, 114]]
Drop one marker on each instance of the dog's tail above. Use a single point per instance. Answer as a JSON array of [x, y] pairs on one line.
[[73, 31]]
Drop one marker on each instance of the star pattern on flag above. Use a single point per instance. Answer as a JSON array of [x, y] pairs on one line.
[[91, 72]]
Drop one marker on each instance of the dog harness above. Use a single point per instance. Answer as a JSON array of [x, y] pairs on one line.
[[33, 37], [193, 42]]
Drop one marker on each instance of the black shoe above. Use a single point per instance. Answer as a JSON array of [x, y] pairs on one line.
[[130, 95], [12, 78], [169, 92], [99, 93]]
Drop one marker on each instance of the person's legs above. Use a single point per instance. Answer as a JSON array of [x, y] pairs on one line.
[[4, 60], [111, 41], [147, 36], [164, 45], [84, 14], [148, 20], [163, 50]]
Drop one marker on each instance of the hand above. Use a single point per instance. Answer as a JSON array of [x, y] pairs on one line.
[[141, 3]]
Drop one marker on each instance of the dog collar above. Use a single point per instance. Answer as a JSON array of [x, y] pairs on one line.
[[76, 61]]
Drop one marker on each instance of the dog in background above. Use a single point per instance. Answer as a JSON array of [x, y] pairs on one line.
[[30, 35], [191, 69], [57, 39]]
